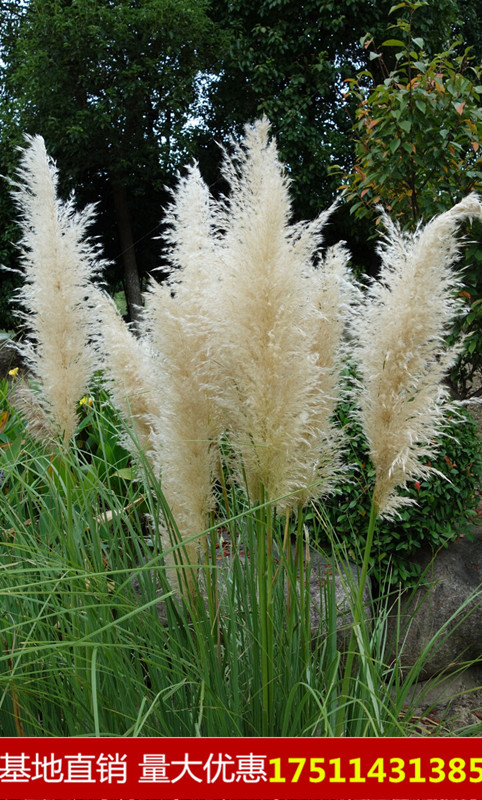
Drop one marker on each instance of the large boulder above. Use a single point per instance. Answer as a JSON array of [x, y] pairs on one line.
[[342, 578], [447, 605]]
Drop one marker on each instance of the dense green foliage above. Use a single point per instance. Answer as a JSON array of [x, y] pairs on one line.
[[289, 60], [418, 145], [84, 650], [419, 134], [111, 87]]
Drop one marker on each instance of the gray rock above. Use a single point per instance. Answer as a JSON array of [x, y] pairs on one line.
[[450, 602], [454, 701], [344, 580]]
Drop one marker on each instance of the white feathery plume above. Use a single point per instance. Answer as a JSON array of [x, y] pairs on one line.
[[58, 264], [129, 369], [400, 333], [333, 294], [176, 323], [275, 380]]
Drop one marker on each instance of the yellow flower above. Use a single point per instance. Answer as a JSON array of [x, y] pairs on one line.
[[86, 401], [13, 372]]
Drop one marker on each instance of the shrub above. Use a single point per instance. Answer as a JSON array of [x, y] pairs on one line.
[[417, 135]]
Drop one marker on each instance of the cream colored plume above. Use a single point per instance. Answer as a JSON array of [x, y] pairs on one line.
[[333, 294], [178, 328], [129, 368], [273, 309], [400, 349], [59, 264]]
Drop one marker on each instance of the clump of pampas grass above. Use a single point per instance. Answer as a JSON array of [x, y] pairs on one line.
[[58, 264], [400, 349], [245, 339]]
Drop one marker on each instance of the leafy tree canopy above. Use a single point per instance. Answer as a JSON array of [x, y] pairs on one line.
[[111, 80], [417, 136], [289, 60], [110, 85]]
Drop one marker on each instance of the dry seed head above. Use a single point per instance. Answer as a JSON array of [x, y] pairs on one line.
[[58, 264], [129, 369], [177, 325], [401, 355], [333, 294], [272, 379]]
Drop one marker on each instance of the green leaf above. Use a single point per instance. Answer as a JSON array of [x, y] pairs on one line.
[[405, 125], [393, 43], [418, 41], [127, 473]]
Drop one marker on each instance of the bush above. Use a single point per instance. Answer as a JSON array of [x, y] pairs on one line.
[[417, 136], [444, 507], [469, 325]]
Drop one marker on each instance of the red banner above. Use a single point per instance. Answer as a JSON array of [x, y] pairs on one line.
[[187, 769]]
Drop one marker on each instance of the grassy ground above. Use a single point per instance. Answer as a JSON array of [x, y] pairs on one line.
[[85, 651]]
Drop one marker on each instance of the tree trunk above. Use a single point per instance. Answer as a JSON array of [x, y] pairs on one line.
[[132, 284]]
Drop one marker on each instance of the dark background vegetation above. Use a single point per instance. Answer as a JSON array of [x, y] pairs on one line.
[[126, 92]]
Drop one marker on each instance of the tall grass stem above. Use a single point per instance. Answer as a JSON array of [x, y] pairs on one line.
[[358, 612]]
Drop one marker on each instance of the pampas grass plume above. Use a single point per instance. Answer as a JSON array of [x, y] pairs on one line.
[[177, 325], [401, 353], [277, 375], [58, 264], [129, 370]]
